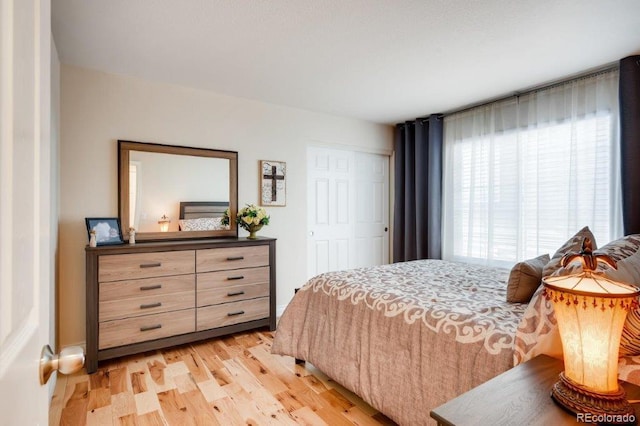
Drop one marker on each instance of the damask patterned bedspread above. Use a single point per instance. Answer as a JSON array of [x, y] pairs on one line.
[[406, 337]]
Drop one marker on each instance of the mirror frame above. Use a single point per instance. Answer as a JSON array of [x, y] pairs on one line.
[[124, 149]]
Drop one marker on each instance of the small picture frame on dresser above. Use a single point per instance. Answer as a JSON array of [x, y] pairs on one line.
[[107, 230]]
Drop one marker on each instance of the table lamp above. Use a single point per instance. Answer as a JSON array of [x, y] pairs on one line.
[[591, 310], [164, 223]]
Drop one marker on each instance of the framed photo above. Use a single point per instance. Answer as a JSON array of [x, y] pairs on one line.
[[273, 183], [107, 230]]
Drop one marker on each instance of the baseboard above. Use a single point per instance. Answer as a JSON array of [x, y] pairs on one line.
[[280, 310]]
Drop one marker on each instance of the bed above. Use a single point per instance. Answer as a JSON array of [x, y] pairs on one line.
[[434, 329], [407, 337], [202, 215]]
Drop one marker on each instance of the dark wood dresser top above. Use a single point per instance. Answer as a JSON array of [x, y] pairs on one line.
[[520, 396]]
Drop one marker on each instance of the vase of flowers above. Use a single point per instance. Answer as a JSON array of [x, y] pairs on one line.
[[250, 218]]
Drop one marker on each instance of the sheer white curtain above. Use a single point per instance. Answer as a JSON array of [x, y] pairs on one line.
[[521, 176]]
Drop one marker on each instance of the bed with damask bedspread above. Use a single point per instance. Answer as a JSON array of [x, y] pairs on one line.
[[406, 337], [410, 336]]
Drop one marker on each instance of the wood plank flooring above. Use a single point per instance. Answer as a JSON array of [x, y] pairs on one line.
[[233, 380]]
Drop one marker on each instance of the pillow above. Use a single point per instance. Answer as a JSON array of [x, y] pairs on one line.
[[622, 247], [629, 272], [524, 279], [537, 332], [202, 224], [573, 244], [630, 338]]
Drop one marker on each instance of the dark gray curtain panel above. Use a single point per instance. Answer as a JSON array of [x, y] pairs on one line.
[[630, 142], [418, 190]]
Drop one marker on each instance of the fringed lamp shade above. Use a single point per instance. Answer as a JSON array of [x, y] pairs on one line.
[[591, 310]]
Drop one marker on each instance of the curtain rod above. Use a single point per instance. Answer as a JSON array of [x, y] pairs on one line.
[[532, 89]]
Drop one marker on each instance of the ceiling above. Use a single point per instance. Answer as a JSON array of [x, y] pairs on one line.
[[383, 61]]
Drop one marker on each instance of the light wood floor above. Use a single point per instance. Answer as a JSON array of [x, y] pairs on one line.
[[228, 381]]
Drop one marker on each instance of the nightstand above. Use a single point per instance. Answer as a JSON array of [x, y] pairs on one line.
[[520, 396]]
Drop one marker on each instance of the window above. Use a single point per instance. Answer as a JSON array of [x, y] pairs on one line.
[[523, 175]]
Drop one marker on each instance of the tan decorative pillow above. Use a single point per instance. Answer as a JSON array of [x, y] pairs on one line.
[[524, 279], [573, 244]]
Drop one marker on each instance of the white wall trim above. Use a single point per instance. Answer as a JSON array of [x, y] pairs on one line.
[[315, 143], [280, 310]]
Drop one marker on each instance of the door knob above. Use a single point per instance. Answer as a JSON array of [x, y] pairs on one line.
[[70, 360]]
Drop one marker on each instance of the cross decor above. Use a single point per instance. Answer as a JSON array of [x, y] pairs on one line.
[[273, 183]]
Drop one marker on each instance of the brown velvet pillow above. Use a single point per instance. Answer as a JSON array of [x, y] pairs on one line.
[[573, 244], [524, 279]]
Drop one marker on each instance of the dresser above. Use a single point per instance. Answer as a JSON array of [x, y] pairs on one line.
[[154, 295]]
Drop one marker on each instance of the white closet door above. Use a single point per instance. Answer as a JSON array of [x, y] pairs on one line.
[[330, 205], [347, 210], [371, 236]]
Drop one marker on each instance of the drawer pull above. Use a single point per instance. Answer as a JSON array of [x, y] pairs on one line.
[[235, 258], [150, 287], [151, 305], [233, 314], [235, 293], [150, 327], [237, 277], [150, 265]]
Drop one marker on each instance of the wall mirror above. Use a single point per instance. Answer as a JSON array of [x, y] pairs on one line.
[[174, 192]]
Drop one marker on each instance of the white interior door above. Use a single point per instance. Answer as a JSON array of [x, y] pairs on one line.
[[371, 233], [348, 210], [25, 240], [330, 204]]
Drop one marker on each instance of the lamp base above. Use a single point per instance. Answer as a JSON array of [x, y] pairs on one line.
[[579, 400]]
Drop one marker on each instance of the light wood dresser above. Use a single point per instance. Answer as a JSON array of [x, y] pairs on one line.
[[153, 295]]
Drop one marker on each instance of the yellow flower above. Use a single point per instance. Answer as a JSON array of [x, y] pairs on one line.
[[247, 219], [256, 220]]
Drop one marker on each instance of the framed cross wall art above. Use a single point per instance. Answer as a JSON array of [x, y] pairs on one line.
[[273, 183]]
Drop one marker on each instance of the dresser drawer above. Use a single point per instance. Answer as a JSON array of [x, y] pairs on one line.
[[148, 327], [211, 280], [232, 313], [231, 294], [117, 267], [145, 305], [116, 290], [220, 259]]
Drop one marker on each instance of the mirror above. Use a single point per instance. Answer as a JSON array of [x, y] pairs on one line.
[[172, 192]]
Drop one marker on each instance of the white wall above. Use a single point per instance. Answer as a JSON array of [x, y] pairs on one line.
[[98, 109]]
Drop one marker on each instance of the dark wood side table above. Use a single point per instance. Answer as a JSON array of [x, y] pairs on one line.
[[520, 396]]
